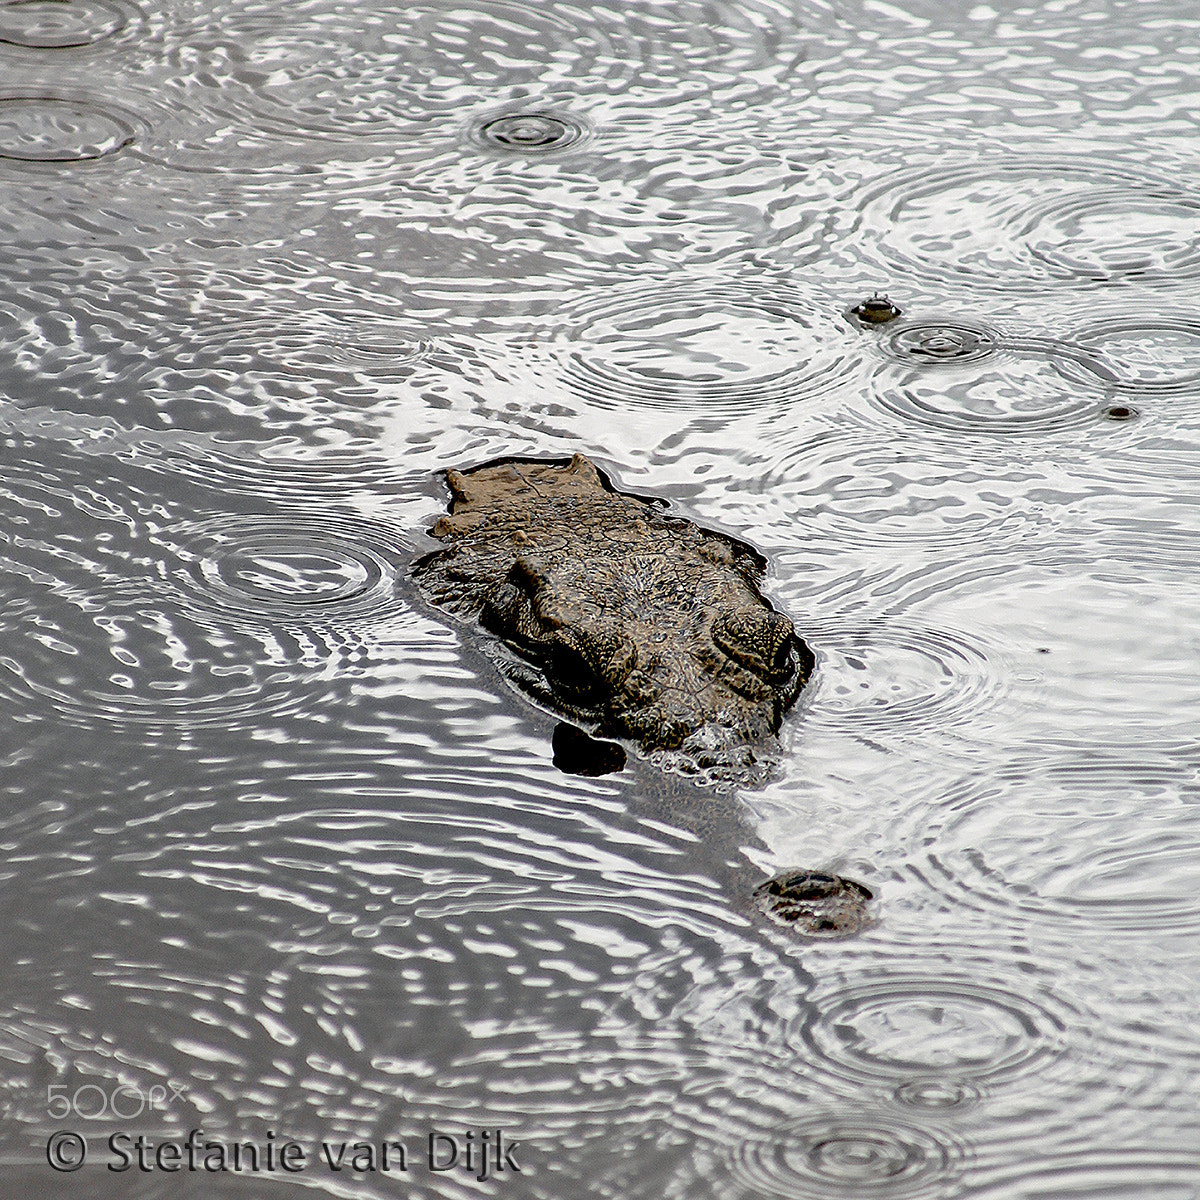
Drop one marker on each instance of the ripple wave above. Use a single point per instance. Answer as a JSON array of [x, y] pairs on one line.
[[62, 129], [1003, 223], [819, 1158], [723, 347]]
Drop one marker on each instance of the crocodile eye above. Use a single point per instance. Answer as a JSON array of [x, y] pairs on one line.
[[528, 574], [759, 639], [593, 662], [570, 665], [511, 608], [615, 660]]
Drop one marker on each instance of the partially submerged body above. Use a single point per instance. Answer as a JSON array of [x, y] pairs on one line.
[[636, 625]]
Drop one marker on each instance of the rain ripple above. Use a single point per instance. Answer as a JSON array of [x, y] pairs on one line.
[[850, 489], [115, 620], [62, 129], [722, 346], [1022, 221], [529, 132], [819, 1158], [299, 566], [1143, 354], [63, 24], [902, 1028], [887, 678], [1099, 1173], [960, 375], [1121, 859], [248, 86]]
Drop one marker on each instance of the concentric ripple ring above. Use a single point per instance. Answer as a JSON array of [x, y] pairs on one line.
[[1024, 219], [871, 1157], [529, 132], [1152, 355], [59, 24], [905, 1027], [1098, 1174], [941, 341], [54, 129], [257, 568], [723, 346], [915, 678]]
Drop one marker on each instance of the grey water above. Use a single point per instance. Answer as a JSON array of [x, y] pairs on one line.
[[284, 858]]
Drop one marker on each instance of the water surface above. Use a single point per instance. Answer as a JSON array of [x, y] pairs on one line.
[[283, 855]]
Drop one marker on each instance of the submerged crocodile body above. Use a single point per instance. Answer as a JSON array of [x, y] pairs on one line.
[[635, 624]]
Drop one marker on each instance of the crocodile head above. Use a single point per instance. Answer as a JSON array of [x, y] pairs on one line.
[[641, 626]]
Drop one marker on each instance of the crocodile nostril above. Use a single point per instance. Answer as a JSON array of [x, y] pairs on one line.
[[760, 640]]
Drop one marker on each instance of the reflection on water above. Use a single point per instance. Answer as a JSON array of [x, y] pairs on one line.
[[281, 845]]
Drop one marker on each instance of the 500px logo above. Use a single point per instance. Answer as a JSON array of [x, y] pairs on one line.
[[92, 1102]]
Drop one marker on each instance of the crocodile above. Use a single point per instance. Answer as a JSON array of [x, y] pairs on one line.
[[635, 624]]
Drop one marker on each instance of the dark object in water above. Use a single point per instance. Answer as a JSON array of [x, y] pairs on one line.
[[815, 903], [877, 310], [576, 753], [1120, 412], [632, 623]]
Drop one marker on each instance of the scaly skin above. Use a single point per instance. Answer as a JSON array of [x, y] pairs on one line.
[[636, 624]]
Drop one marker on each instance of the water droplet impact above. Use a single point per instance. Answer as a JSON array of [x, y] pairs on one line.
[[50, 129], [937, 1093], [904, 1027], [876, 1157], [535, 131], [942, 342]]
